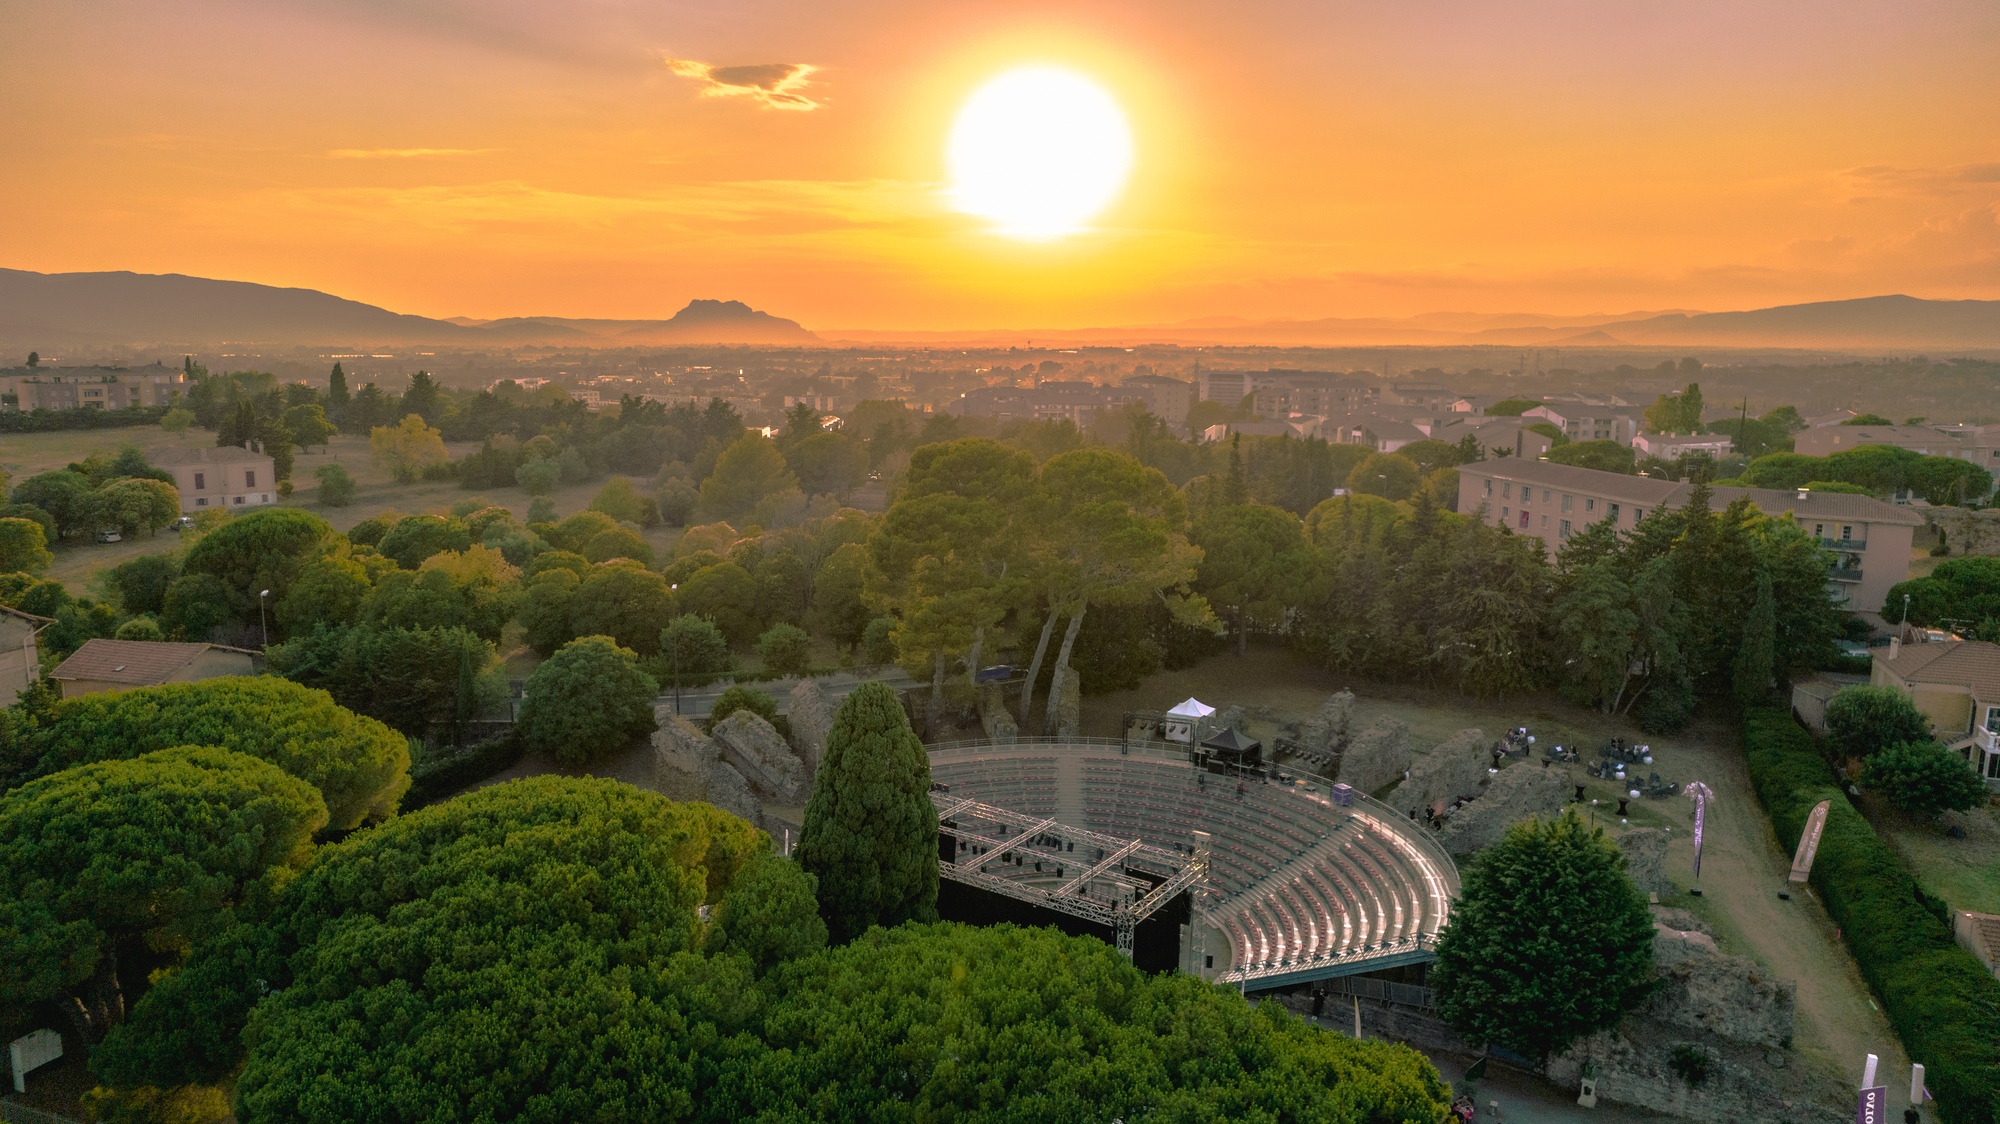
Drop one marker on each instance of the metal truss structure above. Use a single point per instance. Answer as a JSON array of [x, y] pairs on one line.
[[1104, 879]]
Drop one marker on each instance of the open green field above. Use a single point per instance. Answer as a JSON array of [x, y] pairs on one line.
[[1963, 870]]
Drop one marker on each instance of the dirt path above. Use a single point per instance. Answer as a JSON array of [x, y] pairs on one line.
[[1743, 867]]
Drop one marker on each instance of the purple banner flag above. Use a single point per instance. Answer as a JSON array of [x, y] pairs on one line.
[[1873, 1106], [1702, 796]]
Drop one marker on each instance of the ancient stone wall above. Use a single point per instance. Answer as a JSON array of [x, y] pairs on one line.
[[1376, 756], [1327, 731], [1646, 859], [688, 765], [810, 719], [755, 749], [993, 715], [1520, 791], [1454, 768]]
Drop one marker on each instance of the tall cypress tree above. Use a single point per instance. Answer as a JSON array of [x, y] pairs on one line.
[[871, 832], [1757, 654], [336, 387]]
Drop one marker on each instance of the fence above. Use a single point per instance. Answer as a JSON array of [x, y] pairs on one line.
[[1403, 995]]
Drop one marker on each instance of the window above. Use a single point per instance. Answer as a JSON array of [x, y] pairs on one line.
[[1563, 531], [1819, 530], [1589, 504], [249, 478], [1524, 521], [1611, 512], [239, 501], [1489, 485], [1545, 522], [200, 481], [1527, 496], [1993, 718], [202, 502], [1545, 495], [1567, 500], [1846, 532], [1638, 513], [1503, 515], [1507, 490]]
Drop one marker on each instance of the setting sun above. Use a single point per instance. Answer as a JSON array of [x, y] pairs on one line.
[[1039, 151]]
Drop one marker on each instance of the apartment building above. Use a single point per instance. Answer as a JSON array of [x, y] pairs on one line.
[[1325, 393], [26, 389], [212, 477], [1956, 684], [1868, 541], [1428, 394], [1079, 402], [1584, 422], [1674, 446], [1979, 444], [1168, 399]]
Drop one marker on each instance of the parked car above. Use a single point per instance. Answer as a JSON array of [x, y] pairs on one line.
[[110, 536]]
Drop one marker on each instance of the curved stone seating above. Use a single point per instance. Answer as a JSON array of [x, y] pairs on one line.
[[1298, 883]]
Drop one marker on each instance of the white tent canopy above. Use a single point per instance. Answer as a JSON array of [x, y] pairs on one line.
[[1181, 721], [1193, 708]]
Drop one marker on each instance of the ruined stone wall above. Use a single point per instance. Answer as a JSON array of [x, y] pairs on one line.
[[1454, 768], [688, 765], [1376, 756], [754, 748], [1519, 792]]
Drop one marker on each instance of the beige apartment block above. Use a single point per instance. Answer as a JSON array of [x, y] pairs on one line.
[[1867, 541]]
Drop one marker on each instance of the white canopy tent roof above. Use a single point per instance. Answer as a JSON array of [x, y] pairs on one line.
[[1193, 708]]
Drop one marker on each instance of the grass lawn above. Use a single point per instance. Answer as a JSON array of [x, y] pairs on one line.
[[1964, 871]]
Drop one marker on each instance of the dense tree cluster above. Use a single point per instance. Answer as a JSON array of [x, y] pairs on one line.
[[537, 951], [359, 766], [101, 492], [1901, 758]]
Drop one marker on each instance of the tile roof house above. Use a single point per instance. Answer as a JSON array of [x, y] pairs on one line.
[[119, 665], [217, 476], [1956, 683]]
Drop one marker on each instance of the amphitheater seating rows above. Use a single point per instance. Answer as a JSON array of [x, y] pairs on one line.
[[1296, 879]]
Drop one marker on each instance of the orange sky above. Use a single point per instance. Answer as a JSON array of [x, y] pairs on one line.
[[1302, 158]]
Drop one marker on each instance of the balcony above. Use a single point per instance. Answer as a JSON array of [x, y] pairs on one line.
[[1844, 573], [1844, 544]]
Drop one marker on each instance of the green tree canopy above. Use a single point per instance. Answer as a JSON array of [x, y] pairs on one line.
[[135, 503], [747, 471], [262, 550], [785, 649], [159, 846], [1552, 896], [336, 487], [870, 834], [529, 951], [1254, 561], [828, 463], [1384, 474], [23, 548], [421, 681], [359, 765], [1862, 721], [625, 601], [587, 700], [953, 1022], [727, 595], [417, 537], [1924, 778], [692, 651], [622, 502]]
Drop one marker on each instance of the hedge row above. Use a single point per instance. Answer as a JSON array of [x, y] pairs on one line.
[[47, 421], [1943, 1003], [445, 771]]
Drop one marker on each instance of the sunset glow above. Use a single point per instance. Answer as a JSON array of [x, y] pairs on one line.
[[1039, 151]]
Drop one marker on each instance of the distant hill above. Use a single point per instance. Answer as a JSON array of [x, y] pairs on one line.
[[1892, 322], [47, 310]]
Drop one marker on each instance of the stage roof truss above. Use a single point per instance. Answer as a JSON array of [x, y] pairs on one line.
[[1175, 870]]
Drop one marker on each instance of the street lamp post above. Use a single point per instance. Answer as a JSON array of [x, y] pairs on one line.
[[263, 625], [1906, 608], [675, 588]]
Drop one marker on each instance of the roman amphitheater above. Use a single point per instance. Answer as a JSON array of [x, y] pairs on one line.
[[1287, 879]]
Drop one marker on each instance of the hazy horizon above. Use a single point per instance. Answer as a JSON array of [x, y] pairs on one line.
[[1286, 161]]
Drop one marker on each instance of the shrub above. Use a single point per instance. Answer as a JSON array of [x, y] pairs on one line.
[[1862, 720], [692, 651], [743, 698], [439, 774], [878, 640], [1924, 778], [359, 765], [588, 699], [785, 649], [336, 487], [1943, 1003]]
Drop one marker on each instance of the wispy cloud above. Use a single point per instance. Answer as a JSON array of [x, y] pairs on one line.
[[775, 85], [1878, 180], [400, 153]]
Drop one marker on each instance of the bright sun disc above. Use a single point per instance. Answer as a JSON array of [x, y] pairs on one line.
[[1039, 151]]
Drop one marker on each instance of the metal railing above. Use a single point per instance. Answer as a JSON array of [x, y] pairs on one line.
[[1401, 994]]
